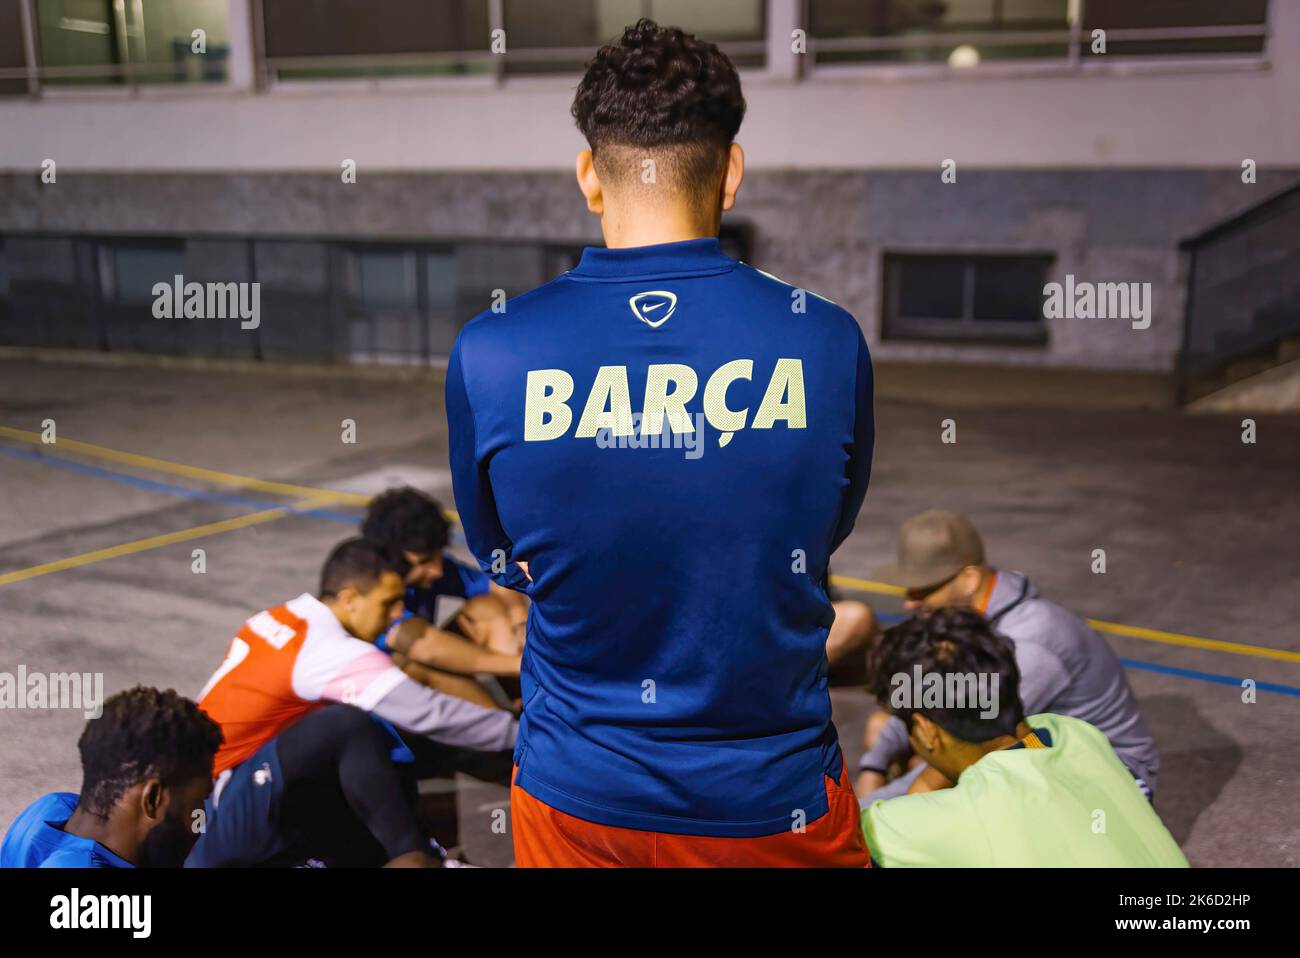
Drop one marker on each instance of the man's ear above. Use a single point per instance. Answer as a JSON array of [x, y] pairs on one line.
[[926, 731], [153, 799], [734, 175], [589, 182]]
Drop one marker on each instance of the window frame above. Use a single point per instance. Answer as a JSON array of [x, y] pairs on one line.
[[1073, 63], [965, 330], [109, 292]]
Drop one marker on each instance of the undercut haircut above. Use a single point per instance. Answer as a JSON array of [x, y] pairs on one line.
[[353, 562], [143, 733], [661, 94], [950, 642], [406, 520]]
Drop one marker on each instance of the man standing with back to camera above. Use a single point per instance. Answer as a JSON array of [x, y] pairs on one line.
[[674, 676]]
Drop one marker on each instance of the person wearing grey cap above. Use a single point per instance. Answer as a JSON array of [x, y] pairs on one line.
[[1065, 666]]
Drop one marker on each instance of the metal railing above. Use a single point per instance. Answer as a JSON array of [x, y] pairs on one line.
[[1243, 286], [62, 291]]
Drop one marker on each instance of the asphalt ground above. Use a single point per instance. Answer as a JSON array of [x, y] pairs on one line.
[[1200, 531]]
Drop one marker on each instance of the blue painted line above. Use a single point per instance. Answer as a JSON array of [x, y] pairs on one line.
[[153, 485], [1209, 677], [169, 488], [893, 618], [175, 490]]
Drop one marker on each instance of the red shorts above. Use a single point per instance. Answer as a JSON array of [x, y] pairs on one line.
[[548, 838]]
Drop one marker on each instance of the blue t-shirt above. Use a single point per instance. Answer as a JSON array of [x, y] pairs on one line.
[[458, 581], [676, 443], [36, 839]]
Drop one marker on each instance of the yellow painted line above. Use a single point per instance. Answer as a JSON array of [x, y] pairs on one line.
[[868, 585], [1192, 641], [329, 495], [180, 469], [1113, 628], [194, 472], [156, 542]]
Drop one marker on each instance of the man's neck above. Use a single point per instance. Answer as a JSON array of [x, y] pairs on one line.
[[652, 227], [979, 749], [83, 824], [984, 591], [331, 604]]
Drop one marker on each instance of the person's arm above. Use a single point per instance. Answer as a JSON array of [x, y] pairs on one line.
[[864, 438], [889, 745], [471, 485], [461, 686], [446, 718], [1043, 677], [852, 631], [348, 670], [423, 644]]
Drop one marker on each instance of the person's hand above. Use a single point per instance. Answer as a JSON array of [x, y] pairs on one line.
[[415, 860], [456, 858], [401, 637]]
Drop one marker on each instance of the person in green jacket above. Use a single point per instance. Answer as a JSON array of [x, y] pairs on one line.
[[1042, 791]]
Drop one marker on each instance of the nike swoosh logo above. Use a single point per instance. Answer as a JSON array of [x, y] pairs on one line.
[[655, 299]]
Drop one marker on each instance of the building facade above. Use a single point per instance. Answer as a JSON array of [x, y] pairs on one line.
[[382, 171]]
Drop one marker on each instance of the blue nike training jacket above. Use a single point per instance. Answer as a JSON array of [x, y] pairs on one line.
[[675, 443]]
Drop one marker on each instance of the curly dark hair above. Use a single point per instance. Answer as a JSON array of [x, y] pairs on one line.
[[405, 520], [659, 88], [949, 642], [143, 733]]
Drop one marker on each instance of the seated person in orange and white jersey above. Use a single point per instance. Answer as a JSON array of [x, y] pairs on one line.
[[292, 698]]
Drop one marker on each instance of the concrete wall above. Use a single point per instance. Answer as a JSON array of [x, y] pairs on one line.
[[822, 230]]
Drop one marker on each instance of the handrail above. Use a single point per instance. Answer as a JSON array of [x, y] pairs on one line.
[[1239, 220], [1243, 289]]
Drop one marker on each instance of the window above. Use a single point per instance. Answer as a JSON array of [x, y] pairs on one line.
[[737, 26], [134, 268], [1236, 27], [984, 298], [385, 278], [927, 31], [319, 299], [13, 55], [970, 32], [324, 39], [132, 41]]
